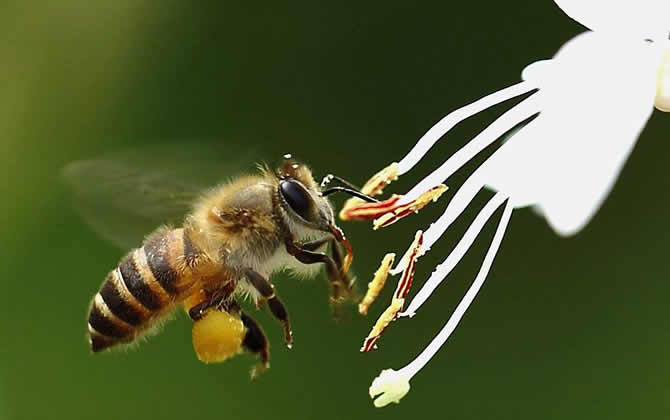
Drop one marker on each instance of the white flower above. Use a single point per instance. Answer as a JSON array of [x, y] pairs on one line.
[[592, 100]]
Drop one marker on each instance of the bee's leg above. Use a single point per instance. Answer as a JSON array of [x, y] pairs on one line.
[[215, 300], [256, 343], [198, 311], [337, 254], [277, 308], [341, 285], [339, 261], [231, 306], [314, 245]]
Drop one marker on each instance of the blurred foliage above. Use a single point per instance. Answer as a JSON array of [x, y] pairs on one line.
[[565, 328]]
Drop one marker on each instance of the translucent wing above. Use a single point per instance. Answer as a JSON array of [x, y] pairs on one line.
[[124, 196]]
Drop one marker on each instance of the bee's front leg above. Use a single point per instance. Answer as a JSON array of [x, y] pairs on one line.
[[337, 257], [314, 245], [341, 284]]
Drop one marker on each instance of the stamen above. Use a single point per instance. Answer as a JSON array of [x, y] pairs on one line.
[[390, 211], [443, 270], [393, 385], [448, 122], [504, 123], [398, 300], [414, 206], [405, 282], [381, 179], [377, 284], [466, 193], [361, 210], [389, 315], [373, 187], [456, 206]]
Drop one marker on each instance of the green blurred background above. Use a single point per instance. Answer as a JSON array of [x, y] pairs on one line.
[[565, 328]]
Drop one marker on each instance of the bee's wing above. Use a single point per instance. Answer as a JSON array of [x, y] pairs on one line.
[[126, 195]]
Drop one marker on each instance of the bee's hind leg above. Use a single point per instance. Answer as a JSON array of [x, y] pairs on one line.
[[255, 342], [267, 291], [216, 300]]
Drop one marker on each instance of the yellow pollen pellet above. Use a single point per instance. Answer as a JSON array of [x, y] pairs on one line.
[[217, 336]]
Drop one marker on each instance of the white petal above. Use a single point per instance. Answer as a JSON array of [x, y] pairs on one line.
[[537, 71], [595, 103], [663, 87], [639, 18]]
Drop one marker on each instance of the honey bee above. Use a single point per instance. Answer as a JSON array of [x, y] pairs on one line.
[[229, 245]]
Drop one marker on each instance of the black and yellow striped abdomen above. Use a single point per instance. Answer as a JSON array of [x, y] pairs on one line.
[[145, 286]]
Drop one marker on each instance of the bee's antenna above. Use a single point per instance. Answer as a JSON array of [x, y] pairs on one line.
[[330, 178], [348, 188], [350, 191]]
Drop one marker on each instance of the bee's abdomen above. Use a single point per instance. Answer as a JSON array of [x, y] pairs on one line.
[[141, 290]]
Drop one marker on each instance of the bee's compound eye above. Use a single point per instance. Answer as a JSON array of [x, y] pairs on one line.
[[297, 197]]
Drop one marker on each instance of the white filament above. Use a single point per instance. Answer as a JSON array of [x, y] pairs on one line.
[[448, 122], [503, 124], [417, 364], [466, 193], [443, 270]]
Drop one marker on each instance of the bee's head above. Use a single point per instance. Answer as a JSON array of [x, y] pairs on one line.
[[300, 197], [305, 207]]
